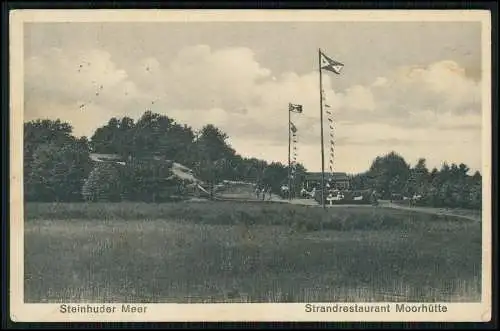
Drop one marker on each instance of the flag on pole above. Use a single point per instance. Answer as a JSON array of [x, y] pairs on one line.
[[293, 128], [295, 108], [330, 65]]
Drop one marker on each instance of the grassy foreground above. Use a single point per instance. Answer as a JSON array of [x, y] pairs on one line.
[[246, 252]]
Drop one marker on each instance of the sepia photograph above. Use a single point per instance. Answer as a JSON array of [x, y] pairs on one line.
[[336, 163]]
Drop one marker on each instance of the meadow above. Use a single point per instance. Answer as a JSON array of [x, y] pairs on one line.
[[246, 252]]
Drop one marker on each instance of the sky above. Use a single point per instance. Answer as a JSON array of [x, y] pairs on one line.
[[409, 87]]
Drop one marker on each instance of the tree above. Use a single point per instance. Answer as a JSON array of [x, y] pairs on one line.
[[125, 137], [148, 180], [107, 139], [212, 143], [418, 179], [40, 132], [153, 135], [477, 177], [274, 175], [213, 154], [58, 172], [390, 174]]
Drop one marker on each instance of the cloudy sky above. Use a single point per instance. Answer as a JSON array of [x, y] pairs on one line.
[[411, 87]]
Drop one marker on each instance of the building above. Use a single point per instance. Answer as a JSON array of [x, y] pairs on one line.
[[337, 180]]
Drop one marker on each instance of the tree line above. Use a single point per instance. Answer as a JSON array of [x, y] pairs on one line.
[[58, 167], [450, 186]]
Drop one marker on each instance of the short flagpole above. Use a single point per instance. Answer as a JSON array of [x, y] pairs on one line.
[[321, 121]]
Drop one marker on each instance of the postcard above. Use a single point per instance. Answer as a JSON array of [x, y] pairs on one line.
[[250, 165]]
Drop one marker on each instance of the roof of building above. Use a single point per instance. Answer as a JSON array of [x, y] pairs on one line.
[[111, 158], [178, 170], [318, 176]]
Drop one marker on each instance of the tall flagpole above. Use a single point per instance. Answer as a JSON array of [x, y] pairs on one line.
[[321, 119], [289, 162]]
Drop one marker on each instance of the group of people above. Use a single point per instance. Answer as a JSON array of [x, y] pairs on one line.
[[262, 192], [307, 194]]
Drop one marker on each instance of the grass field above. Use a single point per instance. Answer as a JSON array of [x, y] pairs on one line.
[[247, 252]]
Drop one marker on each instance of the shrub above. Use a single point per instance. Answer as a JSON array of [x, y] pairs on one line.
[[103, 184]]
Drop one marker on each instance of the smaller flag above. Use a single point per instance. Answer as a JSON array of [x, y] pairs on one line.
[[293, 127], [295, 108], [327, 106]]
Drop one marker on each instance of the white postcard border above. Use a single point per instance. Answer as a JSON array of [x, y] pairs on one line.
[[22, 312]]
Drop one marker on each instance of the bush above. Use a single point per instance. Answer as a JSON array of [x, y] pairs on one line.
[[57, 172], [103, 184]]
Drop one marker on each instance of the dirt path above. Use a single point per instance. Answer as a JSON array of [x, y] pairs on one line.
[[466, 214], [470, 215]]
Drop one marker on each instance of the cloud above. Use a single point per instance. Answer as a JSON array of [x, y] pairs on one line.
[[83, 87], [441, 87], [59, 73], [418, 109], [202, 78]]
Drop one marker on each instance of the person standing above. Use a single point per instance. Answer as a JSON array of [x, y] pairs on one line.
[[269, 192], [257, 192], [373, 198]]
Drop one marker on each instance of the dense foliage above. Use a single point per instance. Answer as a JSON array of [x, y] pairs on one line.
[[57, 165], [451, 186]]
